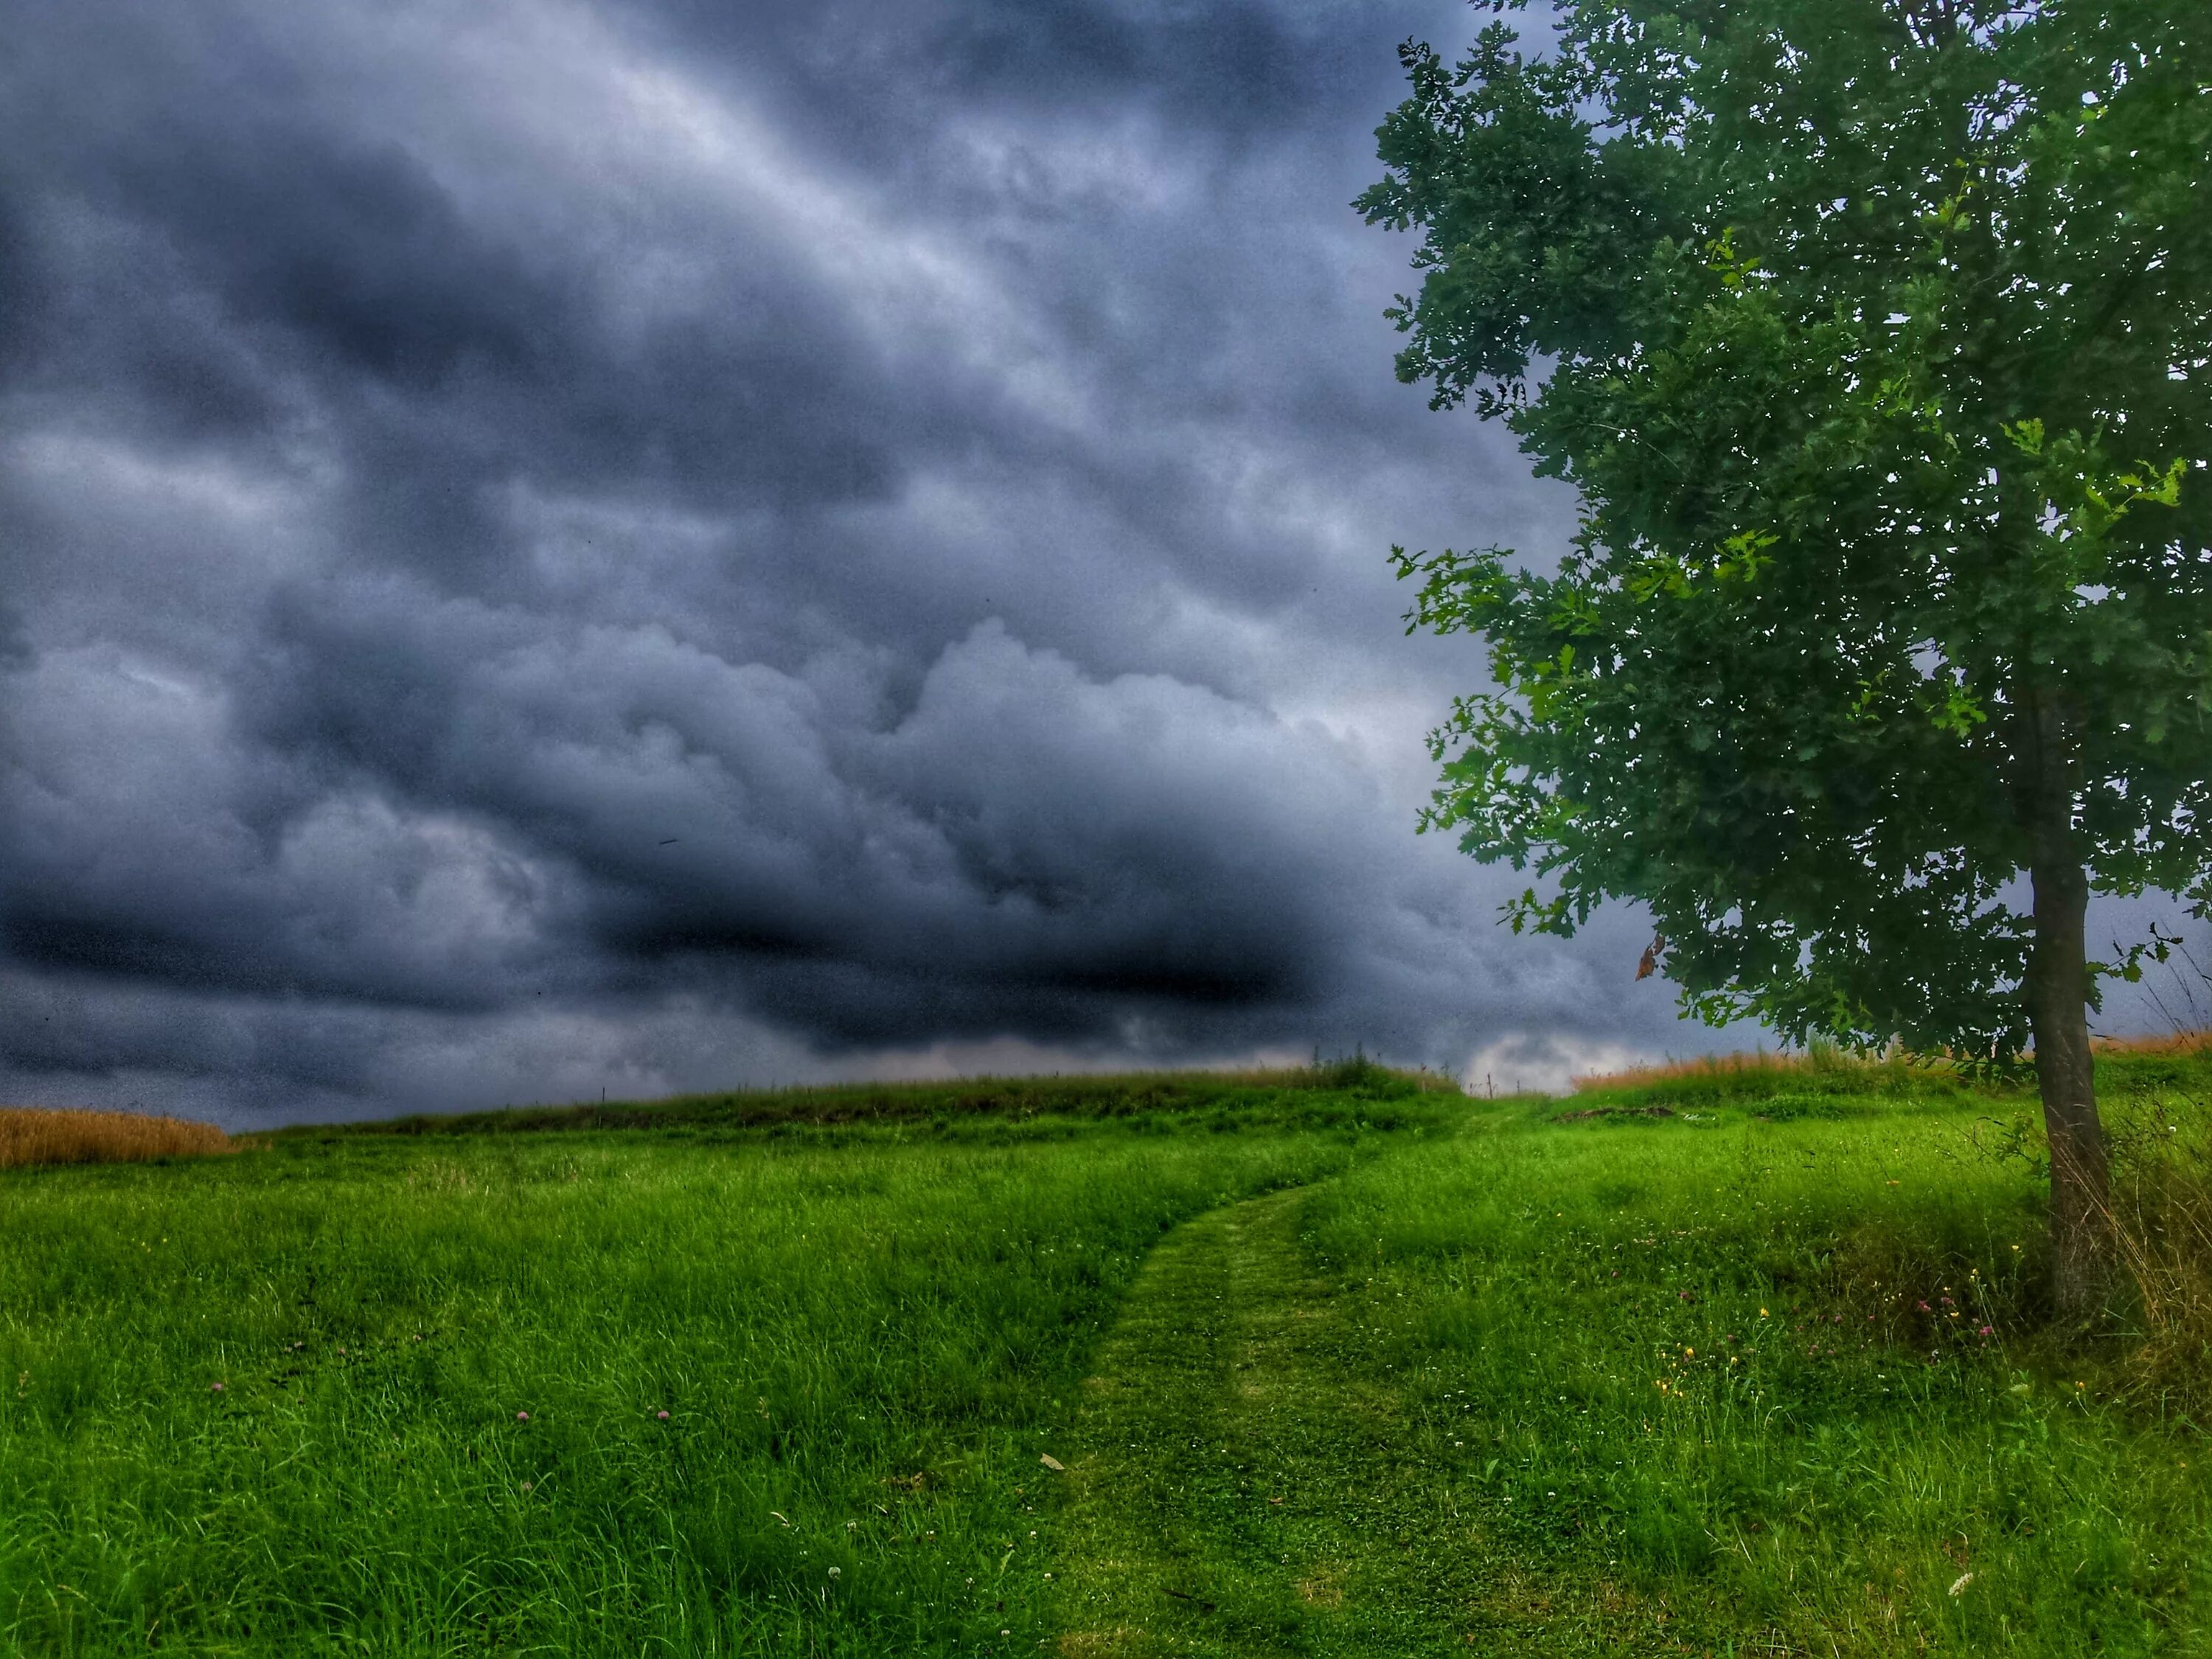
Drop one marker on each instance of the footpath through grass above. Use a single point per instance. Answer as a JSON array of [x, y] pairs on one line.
[[718, 1389], [1343, 1371], [1707, 1383], [1244, 1484]]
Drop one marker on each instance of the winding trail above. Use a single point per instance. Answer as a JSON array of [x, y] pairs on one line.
[[1249, 1481], [1230, 1448]]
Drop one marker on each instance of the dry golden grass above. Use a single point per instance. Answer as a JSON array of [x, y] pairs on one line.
[[1673, 1071], [2175, 1042], [1829, 1060], [2166, 1237], [2162, 1220], [32, 1134]]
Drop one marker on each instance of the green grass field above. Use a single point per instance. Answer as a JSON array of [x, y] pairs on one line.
[[1335, 1365]]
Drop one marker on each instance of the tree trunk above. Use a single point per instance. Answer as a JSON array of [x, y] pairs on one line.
[[2081, 1251], [2081, 1244]]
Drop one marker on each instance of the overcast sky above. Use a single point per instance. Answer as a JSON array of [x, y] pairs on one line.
[[552, 547]]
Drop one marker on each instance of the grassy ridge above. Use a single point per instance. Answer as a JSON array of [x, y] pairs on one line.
[[1340, 1092]]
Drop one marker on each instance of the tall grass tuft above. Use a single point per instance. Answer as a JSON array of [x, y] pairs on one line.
[[31, 1135], [1757, 1068], [1704, 1065], [2162, 1220], [1781, 1082], [2186, 1044]]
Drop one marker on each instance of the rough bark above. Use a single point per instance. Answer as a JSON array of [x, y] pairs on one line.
[[2058, 993], [2058, 987]]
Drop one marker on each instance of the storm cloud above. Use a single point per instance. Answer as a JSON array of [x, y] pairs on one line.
[[553, 547]]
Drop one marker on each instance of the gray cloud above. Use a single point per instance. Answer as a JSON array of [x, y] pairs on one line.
[[551, 546]]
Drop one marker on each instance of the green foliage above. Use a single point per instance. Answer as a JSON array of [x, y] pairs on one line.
[[1877, 336]]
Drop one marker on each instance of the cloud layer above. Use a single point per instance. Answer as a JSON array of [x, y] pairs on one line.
[[648, 544]]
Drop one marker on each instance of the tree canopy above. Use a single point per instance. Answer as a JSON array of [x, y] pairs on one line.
[[1877, 336]]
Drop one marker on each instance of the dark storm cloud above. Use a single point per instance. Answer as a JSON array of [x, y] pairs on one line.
[[552, 546]]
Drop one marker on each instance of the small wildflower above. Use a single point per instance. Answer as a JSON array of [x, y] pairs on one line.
[[525, 1486], [1924, 1308], [835, 1573], [1987, 1330], [660, 1416], [522, 1417], [215, 1388]]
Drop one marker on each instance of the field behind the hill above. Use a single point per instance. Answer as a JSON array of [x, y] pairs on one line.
[[1336, 1363]]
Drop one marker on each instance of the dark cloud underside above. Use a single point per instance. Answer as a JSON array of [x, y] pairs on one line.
[[638, 545]]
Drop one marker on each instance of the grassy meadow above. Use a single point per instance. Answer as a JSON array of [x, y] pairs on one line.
[[1723, 1361], [1770, 1374]]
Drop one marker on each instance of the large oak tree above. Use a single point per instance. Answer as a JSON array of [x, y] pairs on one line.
[[1877, 336]]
